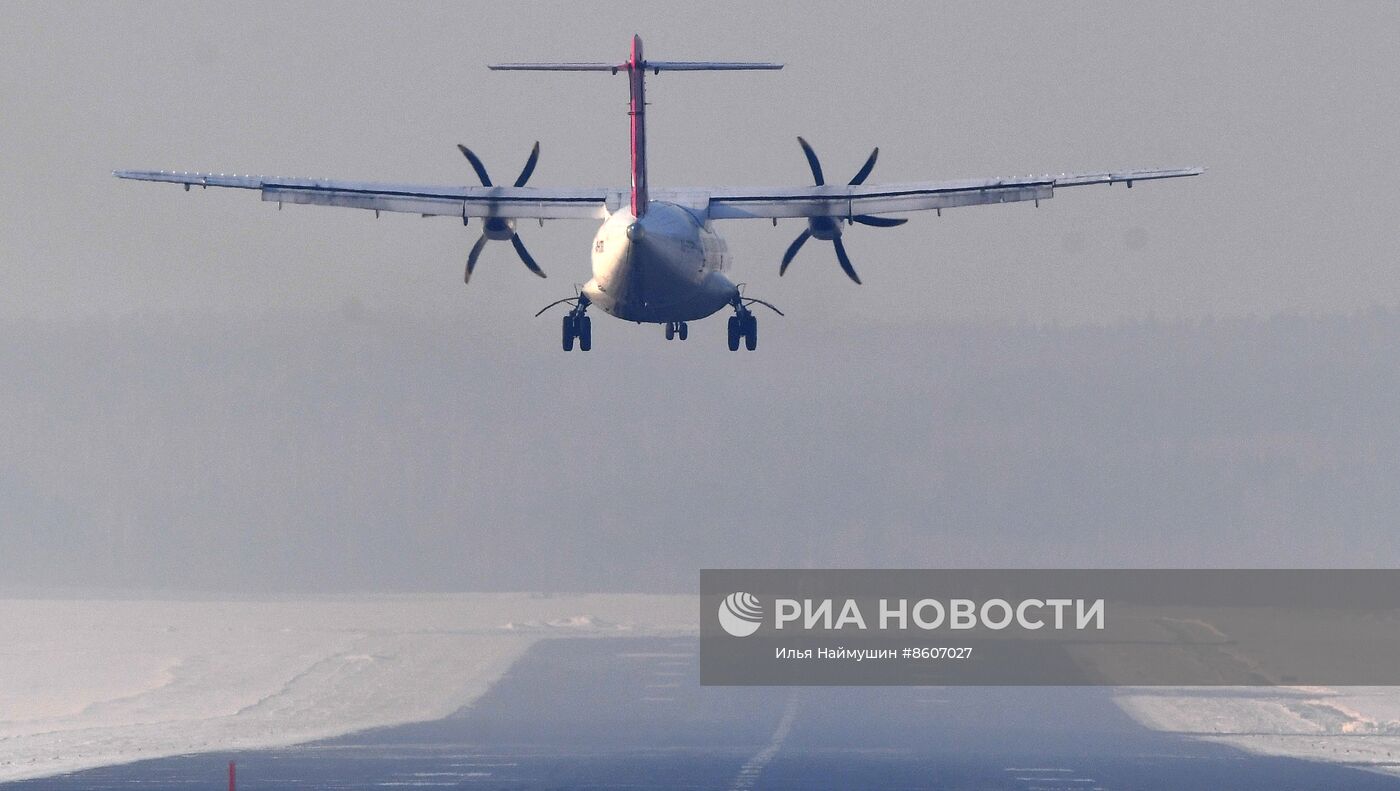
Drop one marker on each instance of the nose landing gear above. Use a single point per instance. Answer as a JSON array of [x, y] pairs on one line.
[[677, 329]]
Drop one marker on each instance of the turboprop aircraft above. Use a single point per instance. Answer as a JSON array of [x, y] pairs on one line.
[[657, 257]]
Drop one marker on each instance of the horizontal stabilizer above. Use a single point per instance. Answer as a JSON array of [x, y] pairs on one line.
[[701, 65], [653, 66], [554, 67]]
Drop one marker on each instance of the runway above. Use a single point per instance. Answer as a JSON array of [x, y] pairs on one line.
[[614, 713]]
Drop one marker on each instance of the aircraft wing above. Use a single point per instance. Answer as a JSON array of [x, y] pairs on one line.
[[832, 200], [509, 202], [840, 200]]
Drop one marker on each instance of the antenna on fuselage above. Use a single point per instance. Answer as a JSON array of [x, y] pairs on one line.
[[636, 68]]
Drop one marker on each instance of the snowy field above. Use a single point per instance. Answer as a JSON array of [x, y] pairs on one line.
[[1359, 726], [93, 683]]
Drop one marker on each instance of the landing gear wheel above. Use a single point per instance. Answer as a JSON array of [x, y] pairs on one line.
[[568, 333], [750, 332], [733, 333], [585, 333], [670, 330], [682, 331]]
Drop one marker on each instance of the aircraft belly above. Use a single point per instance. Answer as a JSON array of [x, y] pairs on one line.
[[661, 276], [653, 295]]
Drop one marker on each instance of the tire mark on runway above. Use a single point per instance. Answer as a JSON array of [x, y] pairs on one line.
[[752, 768]]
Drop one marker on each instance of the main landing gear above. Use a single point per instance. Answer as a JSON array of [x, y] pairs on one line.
[[577, 326], [676, 329], [743, 325]]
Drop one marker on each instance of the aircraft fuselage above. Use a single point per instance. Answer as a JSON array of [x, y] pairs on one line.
[[666, 266]]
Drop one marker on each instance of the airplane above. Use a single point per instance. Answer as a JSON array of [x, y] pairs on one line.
[[657, 257]]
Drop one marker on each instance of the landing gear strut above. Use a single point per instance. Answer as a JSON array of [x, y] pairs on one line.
[[577, 326], [676, 329]]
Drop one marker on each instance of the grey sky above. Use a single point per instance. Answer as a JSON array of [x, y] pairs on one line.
[[1292, 106], [199, 391]]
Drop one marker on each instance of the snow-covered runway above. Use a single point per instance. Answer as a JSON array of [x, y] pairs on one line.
[[87, 683], [92, 683]]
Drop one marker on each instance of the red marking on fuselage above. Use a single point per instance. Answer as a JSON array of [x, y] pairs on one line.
[[636, 77]]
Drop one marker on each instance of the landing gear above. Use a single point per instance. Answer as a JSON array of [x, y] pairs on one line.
[[578, 327], [676, 329], [743, 325]]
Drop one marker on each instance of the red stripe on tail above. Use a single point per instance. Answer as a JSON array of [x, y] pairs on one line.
[[636, 77]]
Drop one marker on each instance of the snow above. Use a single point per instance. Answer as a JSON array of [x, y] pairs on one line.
[[94, 683], [1358, 726]]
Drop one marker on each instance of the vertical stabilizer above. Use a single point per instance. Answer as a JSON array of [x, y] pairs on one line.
[[636, 67]]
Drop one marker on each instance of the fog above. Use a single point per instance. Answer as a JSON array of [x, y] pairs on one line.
[[201, 393], [356, 451]]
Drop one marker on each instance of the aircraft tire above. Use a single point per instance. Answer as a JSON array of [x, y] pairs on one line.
[[585, 334], [733, 333], [750, 332], [683, 331], [670, 330], [568, 333]]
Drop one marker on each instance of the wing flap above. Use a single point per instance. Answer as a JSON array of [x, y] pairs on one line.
[[428, 205], [848, 201], [508, 202]]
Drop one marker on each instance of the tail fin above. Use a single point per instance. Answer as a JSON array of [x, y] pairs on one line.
[[636, 67]]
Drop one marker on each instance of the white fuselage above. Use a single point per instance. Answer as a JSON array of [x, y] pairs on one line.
[[667, 266]]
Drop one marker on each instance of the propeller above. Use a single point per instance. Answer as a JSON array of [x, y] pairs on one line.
[[829, 228], [500, 228]]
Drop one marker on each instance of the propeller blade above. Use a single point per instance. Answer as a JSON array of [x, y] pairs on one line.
[[529, 165], [792, 250], [476, 165], [471, 259], [866, 168], [812, 161], [879, 222], [845, 260], [525, 255]]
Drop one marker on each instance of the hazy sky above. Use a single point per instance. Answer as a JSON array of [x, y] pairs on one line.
[[1293, 107], [197, 390]]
